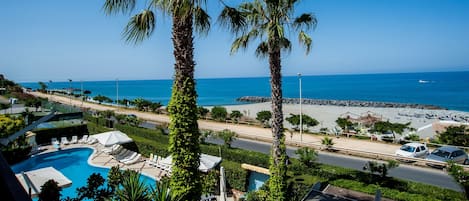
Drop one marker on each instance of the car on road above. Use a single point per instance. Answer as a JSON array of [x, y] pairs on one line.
[[412, 150], [448, 153]]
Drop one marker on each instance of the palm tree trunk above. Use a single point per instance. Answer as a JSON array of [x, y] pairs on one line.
[[278, 162], [184, 133]]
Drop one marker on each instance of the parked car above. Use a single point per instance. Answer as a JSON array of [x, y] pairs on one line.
[[413, 150], [448, 153]]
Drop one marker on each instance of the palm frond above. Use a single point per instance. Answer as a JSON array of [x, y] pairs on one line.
[[201, 20], [305, 40], [262, 51], [140, 27], [305, 21], [118, 6], [285, 44], [232, 19], [243, 41]]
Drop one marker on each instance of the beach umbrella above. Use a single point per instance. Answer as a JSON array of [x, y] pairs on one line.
[[207, 162], [111, 138]]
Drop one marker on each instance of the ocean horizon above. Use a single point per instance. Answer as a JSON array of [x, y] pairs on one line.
[[445, 89]]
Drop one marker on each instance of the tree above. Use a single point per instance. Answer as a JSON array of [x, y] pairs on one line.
[[9, 125], [270, 22], [307, 156], [455, 135], [460, 175], [328, 142], [343, 123], [50, 191], [294, 119], [385, 126], [380, 169], [184, 133], [227, 136], [219, 113], [202, 112], [133, 189], [235, 115], [264, 117], [43, 87], [94, 189], [101, 99], [162, 192], [155, 107]]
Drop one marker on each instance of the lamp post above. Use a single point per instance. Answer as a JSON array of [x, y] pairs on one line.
[[70, 94], [301, 111], [82, 97], [117, 94]]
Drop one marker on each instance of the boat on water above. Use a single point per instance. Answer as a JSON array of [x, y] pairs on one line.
[[423, 81]]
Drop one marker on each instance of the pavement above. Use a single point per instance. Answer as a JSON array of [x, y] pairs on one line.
[[243, 131]]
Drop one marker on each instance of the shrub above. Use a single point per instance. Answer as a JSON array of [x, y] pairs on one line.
[[227, 136], [235, 115], [236, 176], [219, 113], [50, 191], [264, 117]]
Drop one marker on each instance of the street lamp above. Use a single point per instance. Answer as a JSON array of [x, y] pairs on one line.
[[117, 94], [301, 111], [70, 94]]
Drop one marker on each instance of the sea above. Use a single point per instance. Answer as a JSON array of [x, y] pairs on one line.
[[445, 89]]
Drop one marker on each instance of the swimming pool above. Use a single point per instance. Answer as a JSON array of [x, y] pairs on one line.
[[256, 180], [73, 163]]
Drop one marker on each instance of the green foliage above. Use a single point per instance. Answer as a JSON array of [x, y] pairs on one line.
[[4, 106], [184, 140], [132, 189], [264, 117], [94, 189], [461, 176], [114, 178], [156, 107], [307, 156], [380, 169], [50, 191], [10, 125], [278, 172], [107, 113], [412, 137], [294, 120], [202, 112], [142, 104], [219, 113], [237, 155], [384, 126], [227, 136], [210, 182], [236, 115], [101, 99], [455, 135], [327, 141], [42, 86], [259, 195], [236, 176], [162, 192], [343, 123]]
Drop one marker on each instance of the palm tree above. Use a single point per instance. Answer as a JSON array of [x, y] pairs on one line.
[[132, 189], [186, 15], [269, 21]]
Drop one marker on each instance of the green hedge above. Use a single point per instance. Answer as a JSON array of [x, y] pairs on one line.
[[237, 155], [16, 155], [397, 194], [236, 176], [44, 135]]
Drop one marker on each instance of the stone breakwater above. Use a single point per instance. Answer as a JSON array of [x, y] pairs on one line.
[[350, 103]]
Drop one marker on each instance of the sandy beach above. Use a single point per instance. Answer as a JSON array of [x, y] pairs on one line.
[[327, 115]]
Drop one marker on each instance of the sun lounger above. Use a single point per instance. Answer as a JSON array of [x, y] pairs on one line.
[[64, 141], [123, 154], [83, 139], [74, 140], [112, 149], [54, 141], [134, 160], [129, 157], [92, 140], [153, 160]]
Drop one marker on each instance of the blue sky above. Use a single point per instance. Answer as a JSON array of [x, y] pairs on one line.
[[56, 40]]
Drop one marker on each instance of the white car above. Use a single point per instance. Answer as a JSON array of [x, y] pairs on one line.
[[413, 150]]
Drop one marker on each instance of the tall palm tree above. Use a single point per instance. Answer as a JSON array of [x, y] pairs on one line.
[[269, 21], [186, 15], [133, 189]]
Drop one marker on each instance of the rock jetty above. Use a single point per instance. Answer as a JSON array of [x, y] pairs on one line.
[[350, 103]]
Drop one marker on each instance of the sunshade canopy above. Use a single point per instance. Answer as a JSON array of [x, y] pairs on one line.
[[207, 162], [111, 138], [36, 178]]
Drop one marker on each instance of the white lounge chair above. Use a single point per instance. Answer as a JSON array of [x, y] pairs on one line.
[[92, 140], [123, 154], [74, 140], [112, 149], [129, 157], [83, 139], [64, 141], [134, 160], [54, 141], [153, 160]]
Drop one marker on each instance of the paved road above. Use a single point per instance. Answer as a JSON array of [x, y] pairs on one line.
[[423, 175]]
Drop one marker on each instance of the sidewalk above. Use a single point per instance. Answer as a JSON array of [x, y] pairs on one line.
[[244, 131]]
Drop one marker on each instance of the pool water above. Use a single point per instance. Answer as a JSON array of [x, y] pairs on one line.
[[73, 163], [256, 180]]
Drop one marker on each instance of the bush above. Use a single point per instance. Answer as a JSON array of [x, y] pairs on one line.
[[236, 176], [237, 155], [219, 113]]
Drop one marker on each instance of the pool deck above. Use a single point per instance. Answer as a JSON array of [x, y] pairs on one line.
[[100, 159]]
